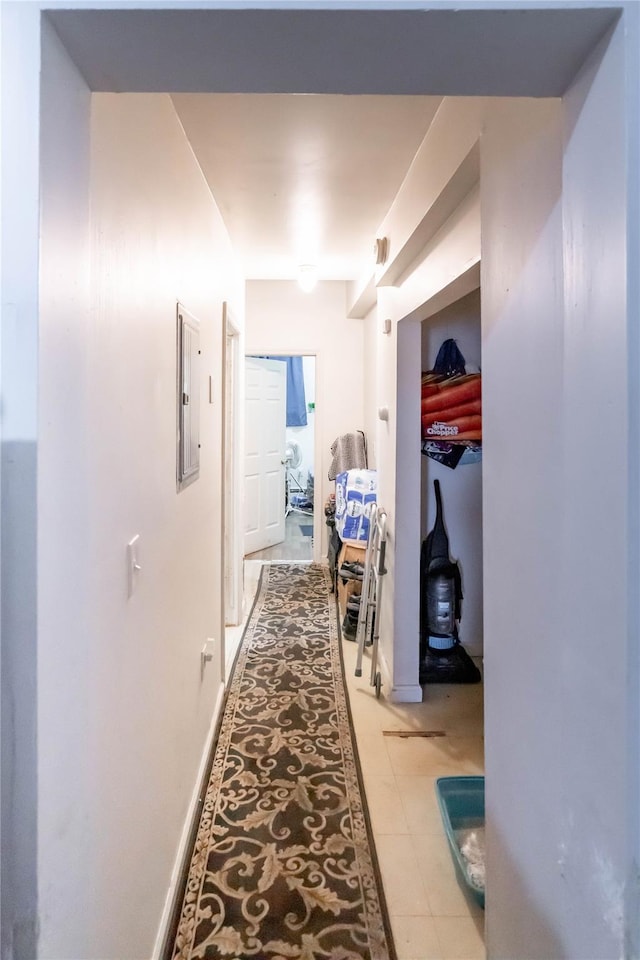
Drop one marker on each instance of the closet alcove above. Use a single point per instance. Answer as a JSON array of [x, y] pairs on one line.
[[461, 487]]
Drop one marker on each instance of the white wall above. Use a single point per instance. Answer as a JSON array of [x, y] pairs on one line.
[[281, 319], [124, 713], [596, 342], [556, 631], [632, 64], [525, 670], [19, 252], [557, 641], [68, 654], [556, 522], [370, 383], [462, 487]]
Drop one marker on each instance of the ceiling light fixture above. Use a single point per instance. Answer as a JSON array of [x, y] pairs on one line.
[[307, 276]]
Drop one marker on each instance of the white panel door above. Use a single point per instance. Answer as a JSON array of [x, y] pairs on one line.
[[265, 442]]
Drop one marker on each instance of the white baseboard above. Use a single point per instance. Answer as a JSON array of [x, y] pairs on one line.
[[405, 693], [183, 851], [398, 692], [395, 693]]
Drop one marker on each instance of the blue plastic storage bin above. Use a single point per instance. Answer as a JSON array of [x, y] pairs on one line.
[[461, 802]]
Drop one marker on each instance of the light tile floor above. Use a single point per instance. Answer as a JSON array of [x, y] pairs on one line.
[[431, 916], [295, 547]]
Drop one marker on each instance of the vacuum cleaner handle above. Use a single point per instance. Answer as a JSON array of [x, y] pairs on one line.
[[439, 543], [436, 484]]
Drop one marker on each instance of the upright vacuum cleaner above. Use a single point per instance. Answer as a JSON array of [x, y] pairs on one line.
[[443, 659]]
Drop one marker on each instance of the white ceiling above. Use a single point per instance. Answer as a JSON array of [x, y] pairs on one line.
[[493, 48], [304, 178], [289, 112]]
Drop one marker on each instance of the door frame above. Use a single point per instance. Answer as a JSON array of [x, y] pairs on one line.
[[270, 350], [232, 561]]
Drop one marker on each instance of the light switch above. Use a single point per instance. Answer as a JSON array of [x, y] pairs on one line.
[[133, 564], [206, 654]]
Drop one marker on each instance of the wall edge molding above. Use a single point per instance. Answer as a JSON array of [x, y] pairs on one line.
[[183, 853]]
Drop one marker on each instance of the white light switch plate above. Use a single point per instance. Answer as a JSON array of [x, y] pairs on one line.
[[133, 564], [206, 654]]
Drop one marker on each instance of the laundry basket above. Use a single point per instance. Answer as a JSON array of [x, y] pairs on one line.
[[461, 802]]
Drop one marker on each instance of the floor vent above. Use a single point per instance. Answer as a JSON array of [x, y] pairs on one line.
[[413, 733]]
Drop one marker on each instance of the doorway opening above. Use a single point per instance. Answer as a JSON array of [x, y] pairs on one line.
[[522, 718], [457, 466], [280, 438], [278, 479]]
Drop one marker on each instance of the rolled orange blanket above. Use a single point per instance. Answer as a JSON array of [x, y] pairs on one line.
[[447, 414], [451, 396], [429, 390]]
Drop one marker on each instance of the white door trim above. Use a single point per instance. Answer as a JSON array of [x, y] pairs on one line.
[[231, 522]]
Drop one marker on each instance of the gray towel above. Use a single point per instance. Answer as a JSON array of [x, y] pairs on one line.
[[349, 453]]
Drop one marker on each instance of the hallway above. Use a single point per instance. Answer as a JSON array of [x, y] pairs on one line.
[[431, 917], [113, 578]]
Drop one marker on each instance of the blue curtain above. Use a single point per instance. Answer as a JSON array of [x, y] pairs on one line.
[[296, 403]]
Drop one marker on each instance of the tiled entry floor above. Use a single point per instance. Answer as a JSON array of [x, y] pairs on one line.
[[431, 917], [295, 547]]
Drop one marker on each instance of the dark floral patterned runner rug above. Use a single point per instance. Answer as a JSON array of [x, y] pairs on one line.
[[283, 865]]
